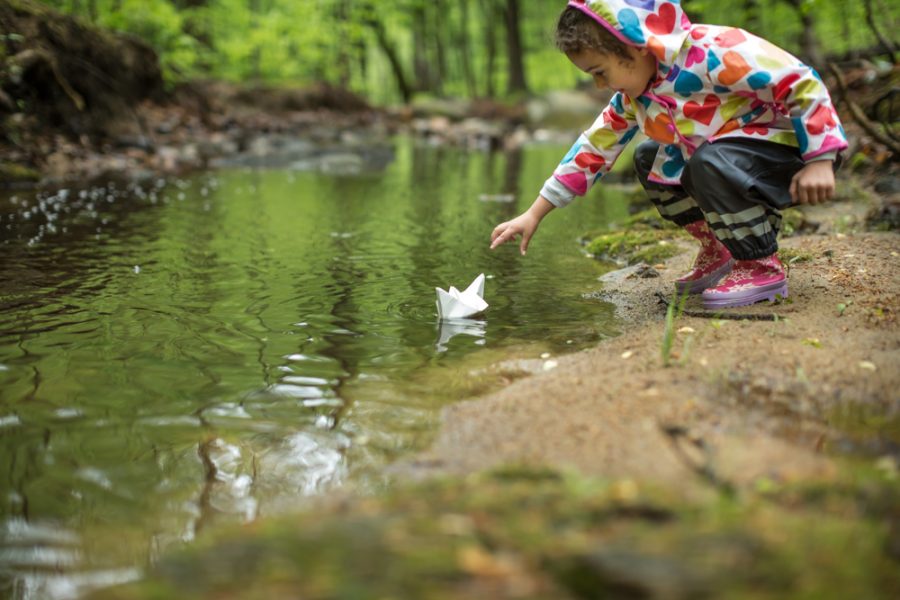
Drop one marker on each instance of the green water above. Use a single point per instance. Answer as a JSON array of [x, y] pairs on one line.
[[183, 352]]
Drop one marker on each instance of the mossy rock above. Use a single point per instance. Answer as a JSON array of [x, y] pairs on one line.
[[634, 245], [526, 533]]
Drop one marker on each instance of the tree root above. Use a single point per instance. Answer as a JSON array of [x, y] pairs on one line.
[[28, 58], [892, 144]]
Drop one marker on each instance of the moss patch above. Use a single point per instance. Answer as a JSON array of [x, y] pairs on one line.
[[13, 173], [635, 245], [526, 533]]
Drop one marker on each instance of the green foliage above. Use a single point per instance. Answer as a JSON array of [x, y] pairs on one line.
[[455, 48]]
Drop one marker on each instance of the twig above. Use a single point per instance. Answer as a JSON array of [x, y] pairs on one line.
[[858, 114], [675, 433], [702, 314]]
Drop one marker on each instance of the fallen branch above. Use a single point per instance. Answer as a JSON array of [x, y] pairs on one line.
[[860, 117], [885, 41]]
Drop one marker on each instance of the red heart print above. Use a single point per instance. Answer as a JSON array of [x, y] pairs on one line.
[[730, 38], [618, 123], [755, 128], [705, 112], [699, 32], [664, 22], [783, 87], [660, 128], [822, 119], [593, 162], [735, 68]]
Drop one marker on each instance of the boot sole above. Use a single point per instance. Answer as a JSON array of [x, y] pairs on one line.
[[764, 292]]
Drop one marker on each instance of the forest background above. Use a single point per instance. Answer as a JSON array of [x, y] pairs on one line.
[[395, 50]]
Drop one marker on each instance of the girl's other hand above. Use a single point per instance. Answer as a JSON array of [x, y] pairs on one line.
[[814, 183]]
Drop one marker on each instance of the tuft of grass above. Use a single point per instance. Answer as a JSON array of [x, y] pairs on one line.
[[674, 310]]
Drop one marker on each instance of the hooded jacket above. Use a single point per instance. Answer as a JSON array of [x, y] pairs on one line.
[[711, 83]]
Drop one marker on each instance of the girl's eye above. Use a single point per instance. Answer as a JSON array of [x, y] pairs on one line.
[[598, 74]]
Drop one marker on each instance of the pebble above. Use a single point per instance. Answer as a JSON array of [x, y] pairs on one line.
[[868, 365], [550, 365], [627, 354]]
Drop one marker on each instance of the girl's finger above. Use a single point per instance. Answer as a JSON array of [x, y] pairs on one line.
[[501, 239]]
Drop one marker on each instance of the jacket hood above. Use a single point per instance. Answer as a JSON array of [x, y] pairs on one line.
[[658, 25]]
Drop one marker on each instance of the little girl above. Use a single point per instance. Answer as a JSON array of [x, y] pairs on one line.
[[738, 129]]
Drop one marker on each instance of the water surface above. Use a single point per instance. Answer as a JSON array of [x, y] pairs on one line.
[[182, 352]]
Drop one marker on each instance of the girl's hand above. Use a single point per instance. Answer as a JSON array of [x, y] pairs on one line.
[[813, 183], [525, 225]]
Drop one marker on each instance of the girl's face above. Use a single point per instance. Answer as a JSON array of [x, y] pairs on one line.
[[631, 77]]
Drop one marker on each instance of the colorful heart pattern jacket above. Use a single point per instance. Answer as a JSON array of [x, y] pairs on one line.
[[712, 83]]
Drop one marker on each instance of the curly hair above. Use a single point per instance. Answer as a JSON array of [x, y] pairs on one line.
[[576, 31]]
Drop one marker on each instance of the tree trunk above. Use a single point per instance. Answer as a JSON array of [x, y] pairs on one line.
[[390, 51], [809, 41], [437, 34], [462, 44], [489, 18], [342, 62], [753, 16], [421, 64], [514, 50]]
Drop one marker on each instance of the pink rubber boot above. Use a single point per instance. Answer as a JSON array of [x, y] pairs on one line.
[[751, 281], [712, 263]]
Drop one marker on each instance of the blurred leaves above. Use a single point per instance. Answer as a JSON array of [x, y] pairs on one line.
[[453, 47]]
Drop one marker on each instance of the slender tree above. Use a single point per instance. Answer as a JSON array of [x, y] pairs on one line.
[[489, 20], [809, 41], [462, 46], [515, 51]]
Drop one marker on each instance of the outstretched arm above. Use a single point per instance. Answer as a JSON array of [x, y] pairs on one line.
[[592, 155], [524, 225]]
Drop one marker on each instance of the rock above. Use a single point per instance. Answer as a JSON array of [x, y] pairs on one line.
[[565, 109], [888, 185], [626, 574], [455, 109]]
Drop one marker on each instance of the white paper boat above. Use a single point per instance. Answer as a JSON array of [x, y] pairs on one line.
[[454, 304]]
